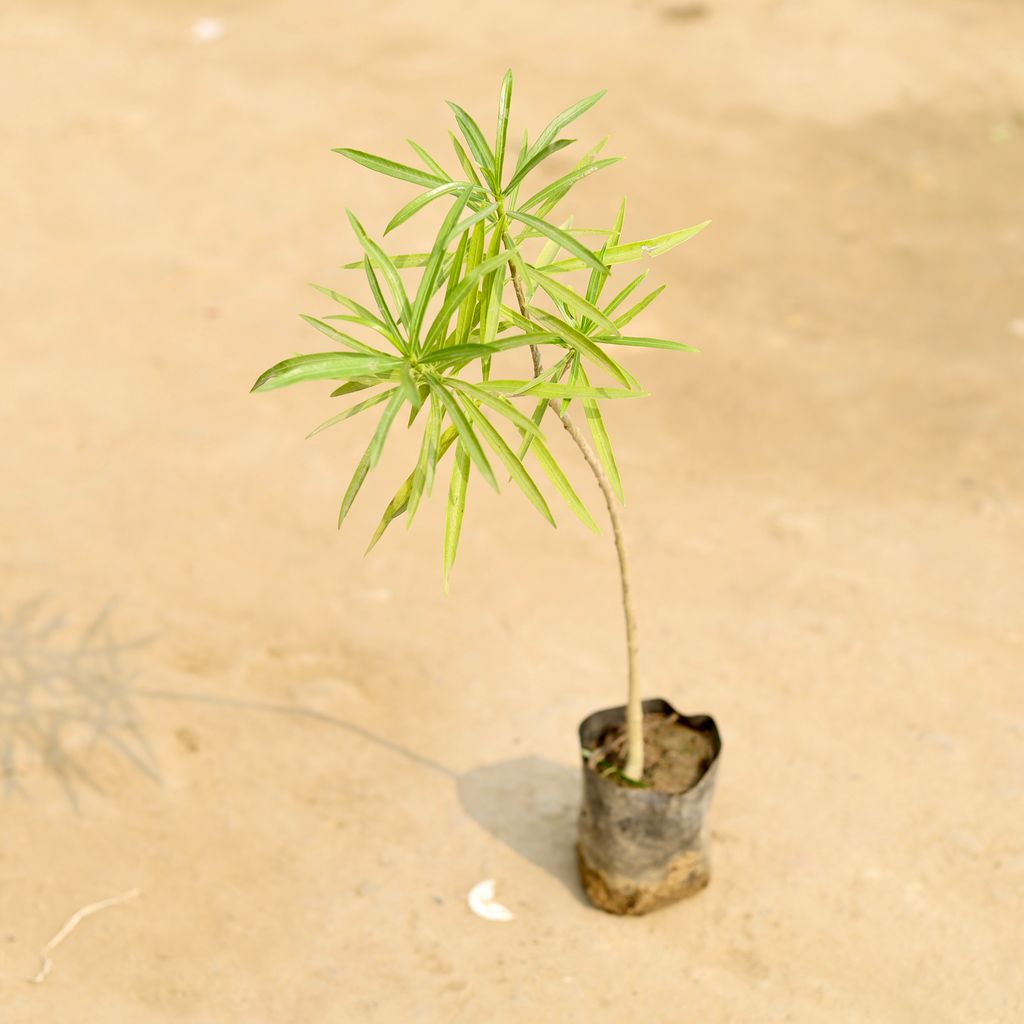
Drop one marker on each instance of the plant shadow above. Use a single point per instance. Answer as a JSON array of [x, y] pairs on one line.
[[63, 695], [529, 804]]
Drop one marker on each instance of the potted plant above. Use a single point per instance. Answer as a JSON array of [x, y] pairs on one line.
[[499, 278]]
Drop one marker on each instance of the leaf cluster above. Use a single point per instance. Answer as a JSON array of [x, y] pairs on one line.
[[426, 339]]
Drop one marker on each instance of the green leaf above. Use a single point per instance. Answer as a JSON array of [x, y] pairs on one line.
[[381, 434], [566, 117], [470, 221], [602, 443], [322, 366], [468, 306], [456, 510], [360, 384], [433, 267], [369, 403], [635, 250], [475, 140], [392, 169], [497, 403], [516, 469], [467, 437], [501, 135], [430, 162], [597, 281], [424, 198], [588, 158], [464, 161], [342, 339], [582, 344], [464, 288], [387, 267], [621, 321], [546, 389], [562, 485], [452, 354], [625, 293], [565, 240], [427, 457], [362, 314], [400, 501], [537, 158], [562, 185], [358, 476], [408, 386], [578, 305], [675, 346], [403, 262]]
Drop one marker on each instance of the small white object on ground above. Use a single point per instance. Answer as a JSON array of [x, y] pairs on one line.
[[481, 902], [69, 927], [206, 30]]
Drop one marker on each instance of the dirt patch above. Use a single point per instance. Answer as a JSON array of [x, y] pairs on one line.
[[675, 755]]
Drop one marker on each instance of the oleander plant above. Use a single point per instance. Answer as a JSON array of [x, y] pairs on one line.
[[508, 326]]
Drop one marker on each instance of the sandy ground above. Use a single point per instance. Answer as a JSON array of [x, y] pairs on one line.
[[304, 759]]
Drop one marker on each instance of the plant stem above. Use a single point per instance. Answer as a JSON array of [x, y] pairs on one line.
[[634, 768]]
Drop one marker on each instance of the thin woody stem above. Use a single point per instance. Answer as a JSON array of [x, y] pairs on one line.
[[634, 768]]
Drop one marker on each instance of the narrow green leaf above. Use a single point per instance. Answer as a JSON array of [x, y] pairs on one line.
[[433, 267], [562, 485], [464, 288], [369, 403], [625, 293], [475, 140], [386, 266], [403, 261], [588, 158], [322, 366], [452, 354], [464, 161], [456, 510], [497, 403], [535, 160], [468, 306], [362, 314], [582, 344], [392, 169], [482, 214], [358, 476], [516, 469], [432, 165], [635, 250], [424, 198], [566, 117], [381, 434], [427, 457], [562, 185], [546, 389], [675, 346], [400, 501], [602, 443], [342, 339], [564, 239], [408, 386], [467, 437], [630, 314], [360, 384], [597, 281], [501, 135], [578, 305]]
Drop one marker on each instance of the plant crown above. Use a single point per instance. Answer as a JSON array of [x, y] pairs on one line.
[[433, 344]]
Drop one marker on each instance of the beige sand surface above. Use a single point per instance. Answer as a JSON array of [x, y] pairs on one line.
[[826, 516]]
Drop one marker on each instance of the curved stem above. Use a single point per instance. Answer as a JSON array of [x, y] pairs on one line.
[[634, 768]]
